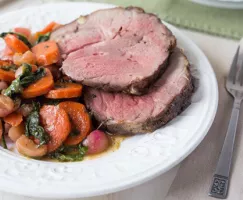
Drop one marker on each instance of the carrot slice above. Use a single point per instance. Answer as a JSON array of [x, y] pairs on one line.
[[46, 53], [80, 120], [5, 75], [56, 123], [15, 44], [50, 27], [23, 31], [40, 87], [65, 90], [14, 119]]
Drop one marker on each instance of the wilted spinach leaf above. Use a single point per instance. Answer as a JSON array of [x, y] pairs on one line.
[[24, 80], [33, 128], [43, 38], [9, 68], [69, 153]]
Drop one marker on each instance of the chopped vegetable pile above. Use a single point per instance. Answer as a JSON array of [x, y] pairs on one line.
[[40, 109]]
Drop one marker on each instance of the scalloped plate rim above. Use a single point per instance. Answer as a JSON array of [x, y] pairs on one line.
[[148, 173]]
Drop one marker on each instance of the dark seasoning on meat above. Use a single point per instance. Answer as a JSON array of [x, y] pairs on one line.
[[136, 79]]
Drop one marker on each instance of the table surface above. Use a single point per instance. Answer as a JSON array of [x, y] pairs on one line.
[[193, 179]]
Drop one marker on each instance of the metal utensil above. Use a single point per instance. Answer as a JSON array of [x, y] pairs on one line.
[[234, 86]]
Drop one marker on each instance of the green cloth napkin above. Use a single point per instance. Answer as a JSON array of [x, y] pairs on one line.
[[216, 21]]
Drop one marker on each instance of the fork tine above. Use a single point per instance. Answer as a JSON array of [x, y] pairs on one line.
[[233, 68], [240, 74]]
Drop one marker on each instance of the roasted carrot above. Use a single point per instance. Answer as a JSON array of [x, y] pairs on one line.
[[80, 121], [56, 123], [15, 44], [46, 53], [50, 27], [65, 90], [40, 87], [5, 75], [23, 31], [14, 119]]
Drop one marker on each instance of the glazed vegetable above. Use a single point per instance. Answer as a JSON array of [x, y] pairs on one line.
[[6, 105], [7, 65], [49, 28], [27, 57], [69, 153], [15, 132], [7, 69], [43, 38], [6, 75], [15, 44], [65, 90], [25, 79], [27, 147], [56, 123], [40, 86], [20, 37], [46, 53], [97, 142], [80, 120], [14, 119], [33, 127]]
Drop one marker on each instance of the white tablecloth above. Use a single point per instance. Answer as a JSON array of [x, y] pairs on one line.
[[193, 179]]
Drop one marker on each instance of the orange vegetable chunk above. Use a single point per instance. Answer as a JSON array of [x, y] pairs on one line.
[[15, 44], [65, 90], [14, 119], [4, 74], [79, 118], [46, 53], [40, 87], [56, 123]]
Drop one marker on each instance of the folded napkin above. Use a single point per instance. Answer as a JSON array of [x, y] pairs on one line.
[[216, 21]]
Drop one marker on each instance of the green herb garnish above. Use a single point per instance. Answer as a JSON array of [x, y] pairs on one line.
[[69, 153], [24, 80], [19, 36], [43, 38], [32, 126], [9, 68]]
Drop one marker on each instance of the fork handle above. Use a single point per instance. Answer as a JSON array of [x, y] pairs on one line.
[[219, 187]]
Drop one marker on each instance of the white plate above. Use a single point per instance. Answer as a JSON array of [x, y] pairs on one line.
[[230, 4], [140, 158]]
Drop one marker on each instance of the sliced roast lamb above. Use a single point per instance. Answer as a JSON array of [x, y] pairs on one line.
[[118, 49], [126, 114]]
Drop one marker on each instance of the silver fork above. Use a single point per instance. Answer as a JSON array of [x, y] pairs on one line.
[[234, 86]]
